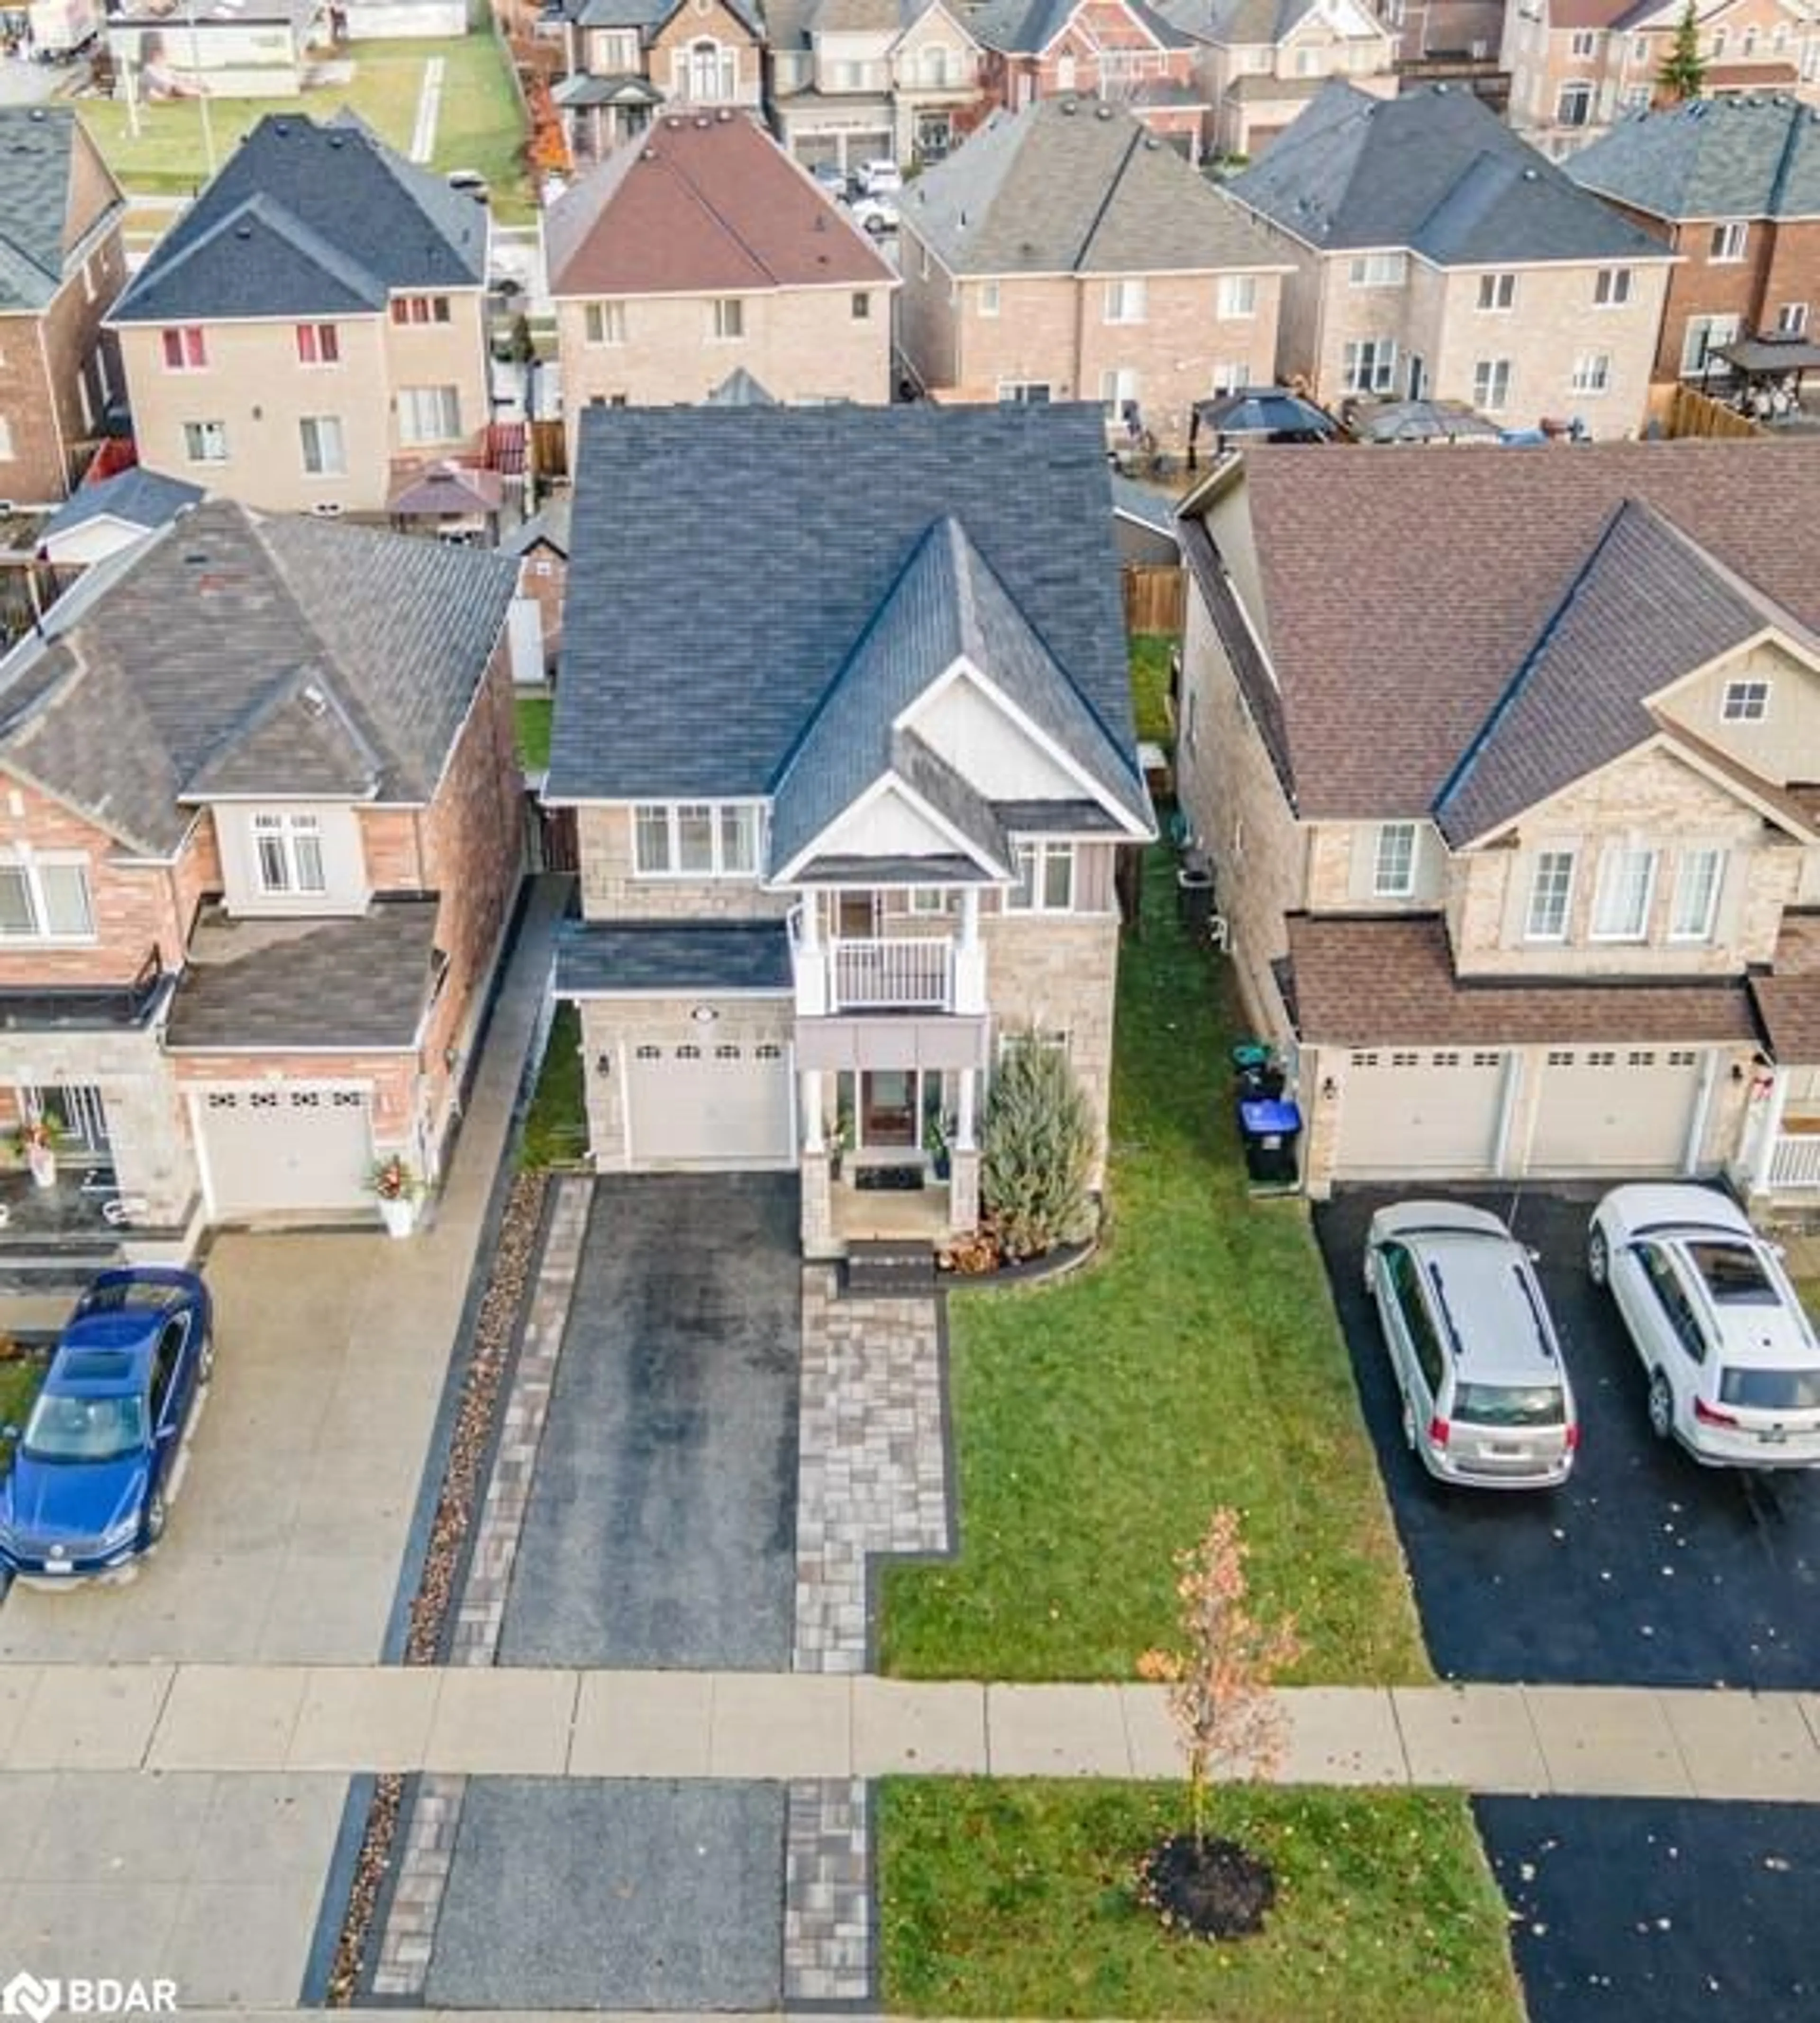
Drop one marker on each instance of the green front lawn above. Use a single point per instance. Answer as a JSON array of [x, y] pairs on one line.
[[478, 125], [556, 1127], [1150, 652], [536, 715], [1197, 1362], [21, 1372], [1008, 1899]]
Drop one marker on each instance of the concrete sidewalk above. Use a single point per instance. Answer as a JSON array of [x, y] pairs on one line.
[[523, 1722]]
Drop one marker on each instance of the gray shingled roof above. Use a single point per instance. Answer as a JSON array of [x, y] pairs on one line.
[[36, 142], [740, 389], [783, 579], [549, 526], [1023, 27], [139, 497], [1435, 172], [309, 219], [1649, 607], [1743, 157], [357, 983], [230, 654], [621, 959], [646, 16], [1069, 186]]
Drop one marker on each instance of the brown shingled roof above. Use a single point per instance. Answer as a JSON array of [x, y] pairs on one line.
[[1788, 1002], [1390, 983], [701, 205]]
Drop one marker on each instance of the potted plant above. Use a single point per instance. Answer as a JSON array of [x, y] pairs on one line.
[[937, 1140], [841, 1142], [398, 1189], [36, 1140]]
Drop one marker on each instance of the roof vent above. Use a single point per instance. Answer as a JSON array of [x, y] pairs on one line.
[[649, 155], [704, 121], [281, 128], [243, 231], [336, 140], [37, 114], [1103, 112], [1441, 89], [724, 116], [1151, 143], [1530, 176], [314, 700], [1069, 107], [196, 558]]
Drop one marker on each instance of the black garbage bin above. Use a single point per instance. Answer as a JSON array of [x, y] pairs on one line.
[[1194, 894], [1257, 1073], [1271, 1131]]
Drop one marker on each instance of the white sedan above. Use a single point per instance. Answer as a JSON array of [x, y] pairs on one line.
[[1732, 1361]]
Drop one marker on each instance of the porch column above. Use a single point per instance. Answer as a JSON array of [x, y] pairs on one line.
[[970, 957], [813, 1139], [1775, 1105], [811, 958], [964, 1115]]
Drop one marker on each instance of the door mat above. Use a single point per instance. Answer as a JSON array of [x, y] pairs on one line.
[[889, 1179]]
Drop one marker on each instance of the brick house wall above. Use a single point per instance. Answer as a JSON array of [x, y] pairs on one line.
[[693, 22], [543, 577]]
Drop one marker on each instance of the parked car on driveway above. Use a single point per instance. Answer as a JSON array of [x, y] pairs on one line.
[[1733, 1360], [880, 179], [1486, 1402], [93, 1467], [877, 215], [833, 179]]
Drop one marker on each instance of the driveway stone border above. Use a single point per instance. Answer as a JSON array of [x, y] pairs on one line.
[[829, 1915]]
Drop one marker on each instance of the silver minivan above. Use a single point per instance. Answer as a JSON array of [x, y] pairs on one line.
[[1486, 1402]]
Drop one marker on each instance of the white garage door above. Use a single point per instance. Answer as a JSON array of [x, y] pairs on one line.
[[1421, 1109], [695, 1104], [1624, 1109], [268, 1150]]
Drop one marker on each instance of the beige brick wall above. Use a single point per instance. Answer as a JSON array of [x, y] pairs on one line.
[[610, 891], [691, 23], [800, 344], [612, 1028], [1059, 974]]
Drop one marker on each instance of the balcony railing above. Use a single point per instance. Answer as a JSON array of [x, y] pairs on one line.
[[1796, 1161], [903, 974]]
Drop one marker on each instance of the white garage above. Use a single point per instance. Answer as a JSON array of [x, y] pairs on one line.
[[698, 1104], [1420, 1109], [279, 1150], [1615, 1109]]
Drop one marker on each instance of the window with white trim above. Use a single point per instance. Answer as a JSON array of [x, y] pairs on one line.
[[927, 899], [1045, 879], [1238, 296], [696, 838], [206, 442], [1694, 911], [603, 322], [324, 454], [1792, 319], [1744, 702], [430, 414], [1551, 896], [318, 344], [287, 853], [1368, 365], [1497, 293], [45, 899], [1584, 42], [1728, 241], [988, 298], [1574, 108], [1491, 384], [1125, 302], [727, 319], [1705, 335], [1620, 906], [1394, 861], [420, 309], [1592, 372], [1025, 392], [185, 349], [1118, 389], [1377, 270]]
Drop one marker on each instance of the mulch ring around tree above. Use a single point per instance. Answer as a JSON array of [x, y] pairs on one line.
[[1207, 1888]]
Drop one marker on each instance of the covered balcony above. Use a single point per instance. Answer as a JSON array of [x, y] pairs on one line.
[[929, 967]]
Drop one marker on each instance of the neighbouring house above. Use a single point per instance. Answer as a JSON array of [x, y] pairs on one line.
[[1563, 922], [704, 249], [1066, 254], [855, 81], [1262, 60], [1429, 31], [540, 545], [1576, 66], [97, 520], [261, 49], [1122, 51], [625, 59], [1438, 257], [1733, 184], [61, 265], [313, 329], [260, 835], [807, 936]]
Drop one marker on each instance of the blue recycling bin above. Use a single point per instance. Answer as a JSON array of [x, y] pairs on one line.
[[1271, 1129]]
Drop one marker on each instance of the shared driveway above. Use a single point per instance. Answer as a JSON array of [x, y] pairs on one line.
[[288, 1529], [1647, 1569], [662, 1525]]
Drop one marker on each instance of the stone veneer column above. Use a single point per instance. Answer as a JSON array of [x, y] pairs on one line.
[[963, 1190], [817, 1206]]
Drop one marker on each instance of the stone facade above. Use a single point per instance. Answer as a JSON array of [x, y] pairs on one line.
[[611, 890], [1058, 974]]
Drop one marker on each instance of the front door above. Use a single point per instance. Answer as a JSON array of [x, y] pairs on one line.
[[888, 1107], [1418, 377]]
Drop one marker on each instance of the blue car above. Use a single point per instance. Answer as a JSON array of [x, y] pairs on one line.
[[92, 1467]]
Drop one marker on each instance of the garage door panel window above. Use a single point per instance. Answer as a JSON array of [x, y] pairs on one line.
[[696, 839], [1627, 883], [1697, 879], [1393, 863], [1551, 897]]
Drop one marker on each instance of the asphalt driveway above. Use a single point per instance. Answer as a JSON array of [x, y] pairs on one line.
[[1647, 1569], [1678, 1912], [662, 1523]]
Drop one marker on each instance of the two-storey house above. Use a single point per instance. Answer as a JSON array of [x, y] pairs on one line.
[[1262, 60], [312, 332], [869, 842], [1067, 253], [1576, 66], [853, 81], [1438, 257], [623, 58], [1734, 185], [1122, 51], [704, 251], [1559, 922], [61, 265], [260, 837]]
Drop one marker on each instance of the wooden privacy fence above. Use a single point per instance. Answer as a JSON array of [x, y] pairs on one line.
[[1693, 413], [1155, 598]]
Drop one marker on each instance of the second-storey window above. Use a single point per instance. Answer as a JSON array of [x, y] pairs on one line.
[[1497, 292], [318, 344], [1377, 270], [1744, 702], [696, 839], [420, 309], [1550, 894], [727, 318], [1238, 296], [44, 898], [288, 852], [1695, 910], [1728, 241], [185, 349], [1620, 907], [988, 298], [1611, 288], [1045, 879], [1394, 861], [1125, 302], [604, 323]]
